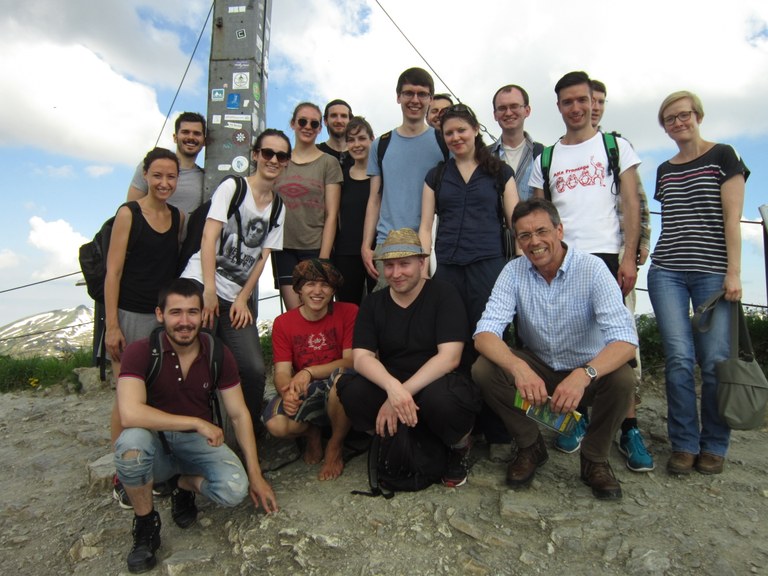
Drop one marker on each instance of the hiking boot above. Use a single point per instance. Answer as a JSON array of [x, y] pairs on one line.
[[570, 443], [183, 507], [522, 469], [146, 541], [681, 463], [458, 467], [119, 494], [599, 477], [632, 446], [708, 463]]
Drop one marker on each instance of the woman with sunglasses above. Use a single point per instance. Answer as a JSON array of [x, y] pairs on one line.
[[310, 187], [464, 193], [232, 256], [698, 254]]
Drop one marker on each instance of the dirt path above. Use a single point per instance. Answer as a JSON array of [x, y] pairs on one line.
[[54, 521]]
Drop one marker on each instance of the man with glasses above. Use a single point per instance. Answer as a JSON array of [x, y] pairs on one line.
[[515, 147], [397, 177], [578, 338]]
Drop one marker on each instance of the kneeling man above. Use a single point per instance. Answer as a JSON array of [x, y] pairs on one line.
[[578, 337], [407, 343], [169, 432], [309, 344]]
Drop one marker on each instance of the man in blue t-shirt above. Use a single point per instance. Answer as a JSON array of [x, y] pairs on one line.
[[397, 181]]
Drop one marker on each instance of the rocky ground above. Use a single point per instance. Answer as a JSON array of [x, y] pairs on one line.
[[57, 515]]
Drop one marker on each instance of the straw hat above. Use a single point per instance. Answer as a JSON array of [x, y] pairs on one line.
[[400, 244]]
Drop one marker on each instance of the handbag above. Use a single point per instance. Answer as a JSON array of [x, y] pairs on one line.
[[742, 390]]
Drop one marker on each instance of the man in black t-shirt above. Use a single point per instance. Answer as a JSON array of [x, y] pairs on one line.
[[407, 343], [336, 117]]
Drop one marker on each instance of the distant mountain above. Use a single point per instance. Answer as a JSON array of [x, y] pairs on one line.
[[48, 334]]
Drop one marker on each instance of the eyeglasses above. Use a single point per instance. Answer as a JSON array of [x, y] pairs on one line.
[[409, 94], [302, 122], [682, 116], [458, 110], [267, 154], [509, 108], [525, 237]]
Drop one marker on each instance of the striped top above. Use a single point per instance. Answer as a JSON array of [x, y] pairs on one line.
[[692, 230]]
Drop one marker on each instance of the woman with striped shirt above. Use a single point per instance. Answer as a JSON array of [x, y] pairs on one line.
[[701, 190]]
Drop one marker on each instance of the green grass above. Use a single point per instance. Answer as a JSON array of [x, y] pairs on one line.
[[37, 372]]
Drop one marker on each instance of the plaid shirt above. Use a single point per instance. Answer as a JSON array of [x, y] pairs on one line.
[[565, 323]]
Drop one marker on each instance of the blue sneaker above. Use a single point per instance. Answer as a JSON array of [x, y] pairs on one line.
[[569, 444], [632, 446]]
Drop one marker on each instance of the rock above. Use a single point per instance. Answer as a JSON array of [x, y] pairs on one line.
[[650, 562], [100, 473], [466, 526], [89, 380], [188, 562], [511, 508], [79, 551]]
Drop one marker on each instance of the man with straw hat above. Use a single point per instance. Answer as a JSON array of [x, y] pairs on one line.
[[407, 343]]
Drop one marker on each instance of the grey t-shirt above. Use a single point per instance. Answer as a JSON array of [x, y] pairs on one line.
[[189, 188]]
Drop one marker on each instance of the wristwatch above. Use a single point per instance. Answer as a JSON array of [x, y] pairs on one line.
[[591, 372]]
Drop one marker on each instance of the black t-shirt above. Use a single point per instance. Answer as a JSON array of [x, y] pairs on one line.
[[354, 200], [405, 338], [343, 157]]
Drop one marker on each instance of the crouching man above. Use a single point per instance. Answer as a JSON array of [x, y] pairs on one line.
[[168, 426], [578, 337], [407, 345]]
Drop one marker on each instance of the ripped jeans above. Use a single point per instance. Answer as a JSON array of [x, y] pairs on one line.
[[225, 481]]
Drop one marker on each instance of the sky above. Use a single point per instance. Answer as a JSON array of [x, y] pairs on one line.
[[86, 91]]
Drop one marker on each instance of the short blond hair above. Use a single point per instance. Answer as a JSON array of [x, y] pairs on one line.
[[696, 104]]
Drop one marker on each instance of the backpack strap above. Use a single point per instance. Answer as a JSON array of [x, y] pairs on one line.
[[437, 181], [546, 162], [612, 152], [384, 141], [274, 215], [241, 189], [442, 144], [156, 360]]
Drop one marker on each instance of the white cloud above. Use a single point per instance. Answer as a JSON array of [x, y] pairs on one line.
[[752, 234], [96, 171], [59, 244], [643, 51], [8, 259], [56, 172]]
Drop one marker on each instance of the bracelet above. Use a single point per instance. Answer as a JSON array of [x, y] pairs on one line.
[[308, 372]]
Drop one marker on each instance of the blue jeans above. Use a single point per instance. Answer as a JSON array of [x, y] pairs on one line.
[[672, 294], [225, 481]]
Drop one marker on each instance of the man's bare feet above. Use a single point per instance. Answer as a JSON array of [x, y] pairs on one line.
[[334, 463], [313, 453]]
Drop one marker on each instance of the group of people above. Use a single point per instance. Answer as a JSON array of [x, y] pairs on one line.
[[373, 339]]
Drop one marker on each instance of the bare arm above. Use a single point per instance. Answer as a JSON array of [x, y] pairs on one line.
[[211, 233], [511, 198], [260, 490], [530, 385], [446, 360], [372, 212], [732, 198], [630, 202], [332, 202], [118, 246], [239, 312], [427, 216], [538, 192]]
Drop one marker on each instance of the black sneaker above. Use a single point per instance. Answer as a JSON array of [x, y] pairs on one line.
[[458, 467], [146, 541], [119, 494], [183, 507], [162, 489]]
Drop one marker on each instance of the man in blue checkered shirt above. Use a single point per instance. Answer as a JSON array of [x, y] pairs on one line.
[[578, 337]]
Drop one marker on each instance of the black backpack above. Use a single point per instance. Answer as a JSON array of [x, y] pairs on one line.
[[215, 362], [197, 218], [93, 254], [411, 460]]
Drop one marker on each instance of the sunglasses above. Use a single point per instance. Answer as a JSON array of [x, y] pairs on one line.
[[267, 154], [302, 122]]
